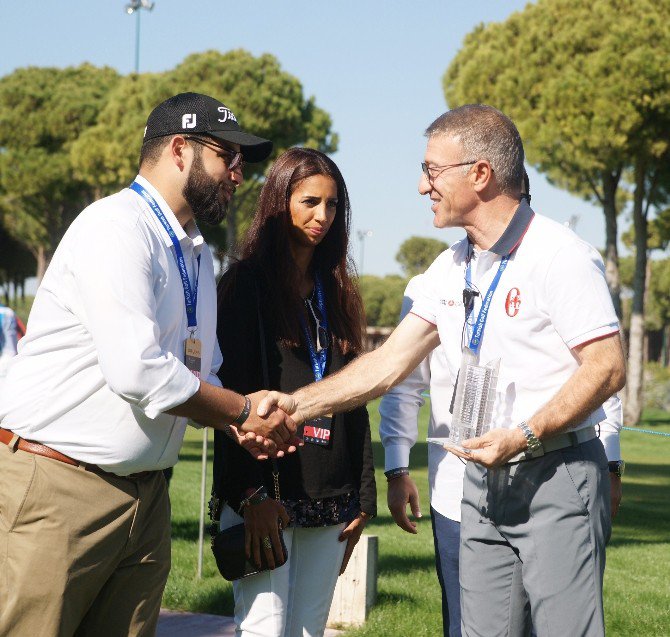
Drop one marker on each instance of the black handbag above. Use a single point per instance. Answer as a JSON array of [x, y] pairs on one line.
[[231, 560], [228, 545]]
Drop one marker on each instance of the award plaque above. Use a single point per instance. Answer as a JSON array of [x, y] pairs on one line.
[[475, 395]]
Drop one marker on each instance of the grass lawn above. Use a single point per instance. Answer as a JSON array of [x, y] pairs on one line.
[[637, 581]]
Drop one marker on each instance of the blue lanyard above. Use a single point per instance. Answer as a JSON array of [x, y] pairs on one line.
[[480, 323], [318, 359], [190, 295]]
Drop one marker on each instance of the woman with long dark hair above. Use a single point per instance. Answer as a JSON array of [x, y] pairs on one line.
[[289, 314]]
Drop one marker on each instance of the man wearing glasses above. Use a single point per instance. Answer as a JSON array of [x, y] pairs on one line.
[[536, 501], [121, 349]]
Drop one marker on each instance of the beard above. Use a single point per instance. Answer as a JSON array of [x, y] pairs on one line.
[[202, 194]]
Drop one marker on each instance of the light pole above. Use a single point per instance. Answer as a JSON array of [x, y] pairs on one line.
[[362, 236], [134, 6]]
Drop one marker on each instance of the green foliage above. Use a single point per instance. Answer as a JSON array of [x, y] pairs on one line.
[[657, 307], [417, 253], [581, 79], [42, 113], [382, 298], [657, 387]]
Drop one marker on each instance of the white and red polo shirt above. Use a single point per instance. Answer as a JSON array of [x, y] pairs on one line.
[[551, 297]]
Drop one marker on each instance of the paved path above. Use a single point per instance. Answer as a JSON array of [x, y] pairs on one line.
[[176, 624]]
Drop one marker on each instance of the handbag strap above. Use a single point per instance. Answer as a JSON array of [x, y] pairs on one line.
[[266, 377]]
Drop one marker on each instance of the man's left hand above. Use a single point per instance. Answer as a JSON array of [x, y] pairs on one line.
[[494, 448], [351, 534]]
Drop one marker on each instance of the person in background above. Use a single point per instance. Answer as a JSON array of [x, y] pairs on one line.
[[290, 305], [8, 339]]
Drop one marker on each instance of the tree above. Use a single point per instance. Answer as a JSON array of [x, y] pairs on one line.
[[42, 112], [266, 100], [417, 253], [17, 263], [587, 85], [382, 299]]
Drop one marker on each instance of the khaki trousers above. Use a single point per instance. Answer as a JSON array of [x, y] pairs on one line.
[[80, 553]]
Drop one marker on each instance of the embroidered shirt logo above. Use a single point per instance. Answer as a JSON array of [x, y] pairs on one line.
[[188, 120], [513, 302]]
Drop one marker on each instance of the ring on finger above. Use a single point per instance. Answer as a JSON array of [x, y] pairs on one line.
[[267, 544]]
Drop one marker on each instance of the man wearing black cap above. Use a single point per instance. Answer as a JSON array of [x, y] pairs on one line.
[[120, 350]]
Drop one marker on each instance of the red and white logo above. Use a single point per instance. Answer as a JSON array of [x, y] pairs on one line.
[[513, 302]]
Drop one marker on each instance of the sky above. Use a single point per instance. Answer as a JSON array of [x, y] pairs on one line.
[[375, 65]]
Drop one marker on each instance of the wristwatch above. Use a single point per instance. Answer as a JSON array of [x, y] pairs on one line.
[[535, 448], [616, 467]]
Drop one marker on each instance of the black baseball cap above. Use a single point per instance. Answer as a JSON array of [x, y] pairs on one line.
[[194, 113]]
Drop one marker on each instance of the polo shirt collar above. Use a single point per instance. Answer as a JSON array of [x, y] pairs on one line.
[[191, 233], [516, 229]]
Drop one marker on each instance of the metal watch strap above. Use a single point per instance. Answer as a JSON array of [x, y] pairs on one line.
[[535, 448], [244, 414], [616, 467]]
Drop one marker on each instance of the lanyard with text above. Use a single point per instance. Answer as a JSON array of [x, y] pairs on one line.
[[480, 323], [317, 358], [317, 430], [192, 346]]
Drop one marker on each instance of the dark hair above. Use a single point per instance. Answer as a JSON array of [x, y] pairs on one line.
[[486, 133], [525, 187], [266, 247], [152, 148]]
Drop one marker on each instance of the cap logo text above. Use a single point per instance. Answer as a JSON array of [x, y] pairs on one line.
[[226, 114], [188, 120]]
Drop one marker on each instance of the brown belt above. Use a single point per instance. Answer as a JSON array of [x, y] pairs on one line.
[[39, 449]]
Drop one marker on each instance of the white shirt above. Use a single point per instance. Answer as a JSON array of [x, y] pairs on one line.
[[400, 406], [551, 298], [399, 410], [102, 357]]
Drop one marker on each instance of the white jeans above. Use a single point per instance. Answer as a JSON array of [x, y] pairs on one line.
[[294, 599]]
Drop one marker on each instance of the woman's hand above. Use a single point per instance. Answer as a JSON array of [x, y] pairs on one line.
[[261, 525], [352, 534]]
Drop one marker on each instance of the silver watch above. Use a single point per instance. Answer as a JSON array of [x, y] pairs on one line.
[[535, 448]]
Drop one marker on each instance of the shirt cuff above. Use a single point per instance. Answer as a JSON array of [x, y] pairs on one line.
[[176, 391], [612, 443], [593, 335], [395, 456]]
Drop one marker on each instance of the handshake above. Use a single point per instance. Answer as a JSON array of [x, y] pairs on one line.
[[270, 429]]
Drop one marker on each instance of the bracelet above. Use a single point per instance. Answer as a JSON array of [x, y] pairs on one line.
[[366, 516], [244, 414], [392, 474], [258, 496]]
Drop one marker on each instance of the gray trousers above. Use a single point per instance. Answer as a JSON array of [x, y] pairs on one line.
[[549, 520]]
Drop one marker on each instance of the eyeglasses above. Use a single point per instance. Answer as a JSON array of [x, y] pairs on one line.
[[322, 340], [431, 176], [233, 159]]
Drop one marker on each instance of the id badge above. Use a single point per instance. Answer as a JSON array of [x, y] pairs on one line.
[[317, 431], [193, 355]]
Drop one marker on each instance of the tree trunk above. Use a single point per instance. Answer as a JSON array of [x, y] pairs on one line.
[[635, 381], [610, 185], [42, 264]]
